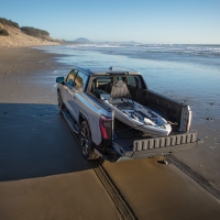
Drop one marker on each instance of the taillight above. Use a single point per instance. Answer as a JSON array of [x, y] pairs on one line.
[[105, 124]]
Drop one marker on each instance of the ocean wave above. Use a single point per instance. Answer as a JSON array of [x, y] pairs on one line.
[[93, 45], [175, 49]]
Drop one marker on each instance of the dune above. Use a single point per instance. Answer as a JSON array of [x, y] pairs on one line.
[[17, 38]]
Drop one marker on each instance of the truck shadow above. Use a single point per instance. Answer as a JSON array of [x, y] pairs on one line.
[[35, 141]]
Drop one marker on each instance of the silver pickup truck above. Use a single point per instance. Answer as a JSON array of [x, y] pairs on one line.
[[98, 131]]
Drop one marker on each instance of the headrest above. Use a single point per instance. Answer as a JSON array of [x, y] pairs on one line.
[[119, 90]]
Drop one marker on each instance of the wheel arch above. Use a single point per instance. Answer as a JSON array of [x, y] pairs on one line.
[[59, 92], [83, 117]]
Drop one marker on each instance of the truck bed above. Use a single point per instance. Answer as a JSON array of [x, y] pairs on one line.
[[131, 143], [135, 144]]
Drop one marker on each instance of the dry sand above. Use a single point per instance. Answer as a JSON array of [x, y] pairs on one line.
[[43, 174], [17, 38]]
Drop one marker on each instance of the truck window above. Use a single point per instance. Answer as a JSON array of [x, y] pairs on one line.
[[71, 77], [100, 83], [81, 80], [131, 81]]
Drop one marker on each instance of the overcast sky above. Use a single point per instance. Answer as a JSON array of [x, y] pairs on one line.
[[155, 21]]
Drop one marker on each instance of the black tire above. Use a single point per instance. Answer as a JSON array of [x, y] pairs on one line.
[[85, 142], [60, 102]]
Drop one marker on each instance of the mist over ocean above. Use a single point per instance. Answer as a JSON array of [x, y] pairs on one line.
[[190, 73]]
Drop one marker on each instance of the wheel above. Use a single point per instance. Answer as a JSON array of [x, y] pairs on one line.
[[60, 102], [85, 142]]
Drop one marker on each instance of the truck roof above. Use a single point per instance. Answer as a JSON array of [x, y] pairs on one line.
[[93, 71]]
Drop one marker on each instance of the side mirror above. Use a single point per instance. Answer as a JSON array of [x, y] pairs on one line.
[[60, 79]]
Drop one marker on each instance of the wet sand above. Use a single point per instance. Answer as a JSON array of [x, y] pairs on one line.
[[158, 191], [43, 174]]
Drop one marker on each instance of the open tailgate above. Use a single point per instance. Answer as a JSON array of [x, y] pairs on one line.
[[163, 145]]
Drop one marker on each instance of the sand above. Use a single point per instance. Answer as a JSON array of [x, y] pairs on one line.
[[43, 174], [17, 38], [157, 191]]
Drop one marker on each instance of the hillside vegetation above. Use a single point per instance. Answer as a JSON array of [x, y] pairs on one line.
[[11, 34], [9, 22], [34, 32], [4, 32]]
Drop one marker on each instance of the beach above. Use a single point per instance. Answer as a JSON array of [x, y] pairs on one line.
[[43, 174], [188, 73]]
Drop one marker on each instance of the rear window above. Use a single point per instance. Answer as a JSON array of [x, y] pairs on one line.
[[104, 83], [131, 81]]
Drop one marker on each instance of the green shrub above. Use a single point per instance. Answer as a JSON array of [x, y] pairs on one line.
[[4, 32], [34, 32], [9, 22], [27, 30]]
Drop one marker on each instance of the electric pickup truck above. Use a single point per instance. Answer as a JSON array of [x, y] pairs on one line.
[[82, 95]]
